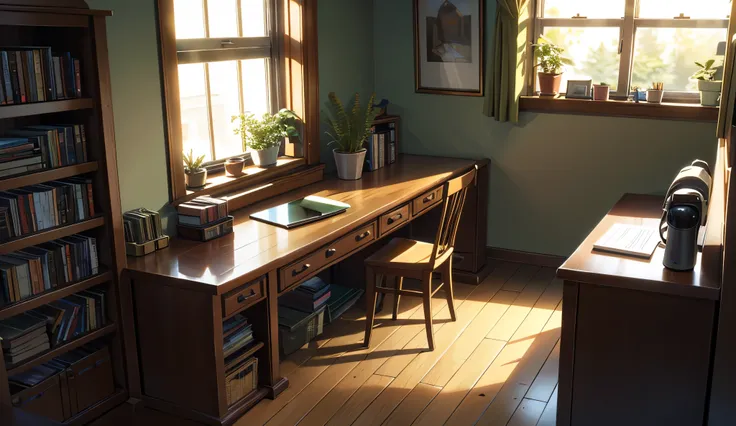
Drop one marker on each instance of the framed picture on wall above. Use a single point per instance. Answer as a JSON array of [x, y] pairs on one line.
[[449, 46]]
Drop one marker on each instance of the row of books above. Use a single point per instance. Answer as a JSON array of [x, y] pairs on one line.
[[237, 339], [36, 269], [35, 74], [308, 297], [202, 211], [49, 146], [34, 208], [142, 225], [381, 150], [37, 330]]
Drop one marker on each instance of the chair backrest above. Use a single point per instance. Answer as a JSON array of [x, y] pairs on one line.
[[453, 202]]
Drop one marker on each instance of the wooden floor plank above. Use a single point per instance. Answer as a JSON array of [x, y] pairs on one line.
[[511, 365], [332, 403], [499, 412], [410, 376], [412, 405], [516, 314], [546, 381], [549, 416], [520, 279], [351, 409], [396, 364], [443, 371], [441, 408], [528, 413]]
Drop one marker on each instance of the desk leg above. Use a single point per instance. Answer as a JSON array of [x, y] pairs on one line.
[[273, 382], [567, 352]]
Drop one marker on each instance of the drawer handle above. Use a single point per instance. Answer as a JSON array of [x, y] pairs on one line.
[[457, 257], [363, 236], [301, 271], [330, 252], [243, 298], [429, 198], [394, 218]]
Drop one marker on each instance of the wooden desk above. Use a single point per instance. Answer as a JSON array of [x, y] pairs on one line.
[[183, 293], [636, 338]]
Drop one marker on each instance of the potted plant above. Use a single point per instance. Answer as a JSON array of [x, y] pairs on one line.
[[550, 63], [234, 166], [195, 176], [601, 91], [264, 135], [348, 131], [710, 89]]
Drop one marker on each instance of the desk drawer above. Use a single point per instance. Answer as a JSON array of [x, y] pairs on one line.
[[309, 265], [393, 219], [244, 296], [427, 200]]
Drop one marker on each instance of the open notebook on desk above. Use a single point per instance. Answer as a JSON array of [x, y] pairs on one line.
[[299, 212]]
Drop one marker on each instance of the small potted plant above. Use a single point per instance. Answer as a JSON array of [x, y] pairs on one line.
[[348, 131], [550, 63], [601, 91], [264, 135], [195, 176], [234, 166], [710, 89]]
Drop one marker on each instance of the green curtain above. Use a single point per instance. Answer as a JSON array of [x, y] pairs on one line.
[[505, 80]]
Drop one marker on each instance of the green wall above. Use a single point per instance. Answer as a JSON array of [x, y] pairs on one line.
[[553, 176]]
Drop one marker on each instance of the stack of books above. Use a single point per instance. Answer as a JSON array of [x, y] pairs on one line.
[[381, 145], [36, 208], [22, 337], [308, 297], [144, 232], [36, 269], [204, 218], [35, 74], [58, 145], [238, 339]]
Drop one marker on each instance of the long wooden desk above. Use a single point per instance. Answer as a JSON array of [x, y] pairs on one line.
[[182, 294]]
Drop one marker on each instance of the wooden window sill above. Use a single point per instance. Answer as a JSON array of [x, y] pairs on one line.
[[220, 184], [614, 108]]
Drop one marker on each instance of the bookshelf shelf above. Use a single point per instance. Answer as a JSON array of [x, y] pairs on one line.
[[38, 108], [249, 353], [61, 349], [18, 181], [53, 294], [50, 234]]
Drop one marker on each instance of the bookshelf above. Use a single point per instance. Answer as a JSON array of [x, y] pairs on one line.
[[70, 26]]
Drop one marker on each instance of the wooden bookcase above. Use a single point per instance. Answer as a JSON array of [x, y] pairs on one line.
[[70, 26]]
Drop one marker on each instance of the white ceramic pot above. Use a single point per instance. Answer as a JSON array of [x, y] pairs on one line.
[[196, 179], [265, 157], [349, 166], [710, 92], [655, 96]]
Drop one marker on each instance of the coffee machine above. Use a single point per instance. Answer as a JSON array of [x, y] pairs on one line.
[[684, 212]]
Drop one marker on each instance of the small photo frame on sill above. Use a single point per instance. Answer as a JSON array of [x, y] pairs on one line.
[[579, 89]]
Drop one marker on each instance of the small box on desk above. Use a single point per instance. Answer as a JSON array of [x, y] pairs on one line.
[[206, 232]]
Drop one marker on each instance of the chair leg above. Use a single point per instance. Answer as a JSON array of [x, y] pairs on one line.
[[398, 285], [427, 296], [370, 304], [447, 280]]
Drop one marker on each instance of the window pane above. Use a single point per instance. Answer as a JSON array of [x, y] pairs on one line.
[[223, 18], [194, 118], [255, 86], [225, 104], [593, 50], [587, 8], [254, 18], [668, 55], [694, 9], [189, 18]]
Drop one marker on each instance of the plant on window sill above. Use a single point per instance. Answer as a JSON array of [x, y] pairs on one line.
[[550, 63], [264, 136], [195, 175], [710, 89]]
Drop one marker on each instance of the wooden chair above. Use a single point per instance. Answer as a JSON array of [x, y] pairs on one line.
[[404, 258]]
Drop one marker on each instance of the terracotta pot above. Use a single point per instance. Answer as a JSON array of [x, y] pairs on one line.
[[601, 93], [549, 84], [196, 179], [349, 165], [266, 157], [234, 166]]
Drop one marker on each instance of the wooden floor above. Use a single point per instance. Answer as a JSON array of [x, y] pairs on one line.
[[496, 365]]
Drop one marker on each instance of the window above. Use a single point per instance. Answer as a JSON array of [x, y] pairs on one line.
[[221, 58], [627, 43]]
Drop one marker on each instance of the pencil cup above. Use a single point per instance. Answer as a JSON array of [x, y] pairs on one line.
[[655, 96]]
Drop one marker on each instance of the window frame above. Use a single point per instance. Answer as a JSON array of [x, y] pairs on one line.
[[628, 25], [293, 74]]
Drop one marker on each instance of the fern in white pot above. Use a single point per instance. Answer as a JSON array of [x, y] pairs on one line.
[[348, 131]]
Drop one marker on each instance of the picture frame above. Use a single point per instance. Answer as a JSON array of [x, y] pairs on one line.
[[449, 47], [579, 89]]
